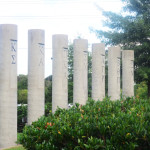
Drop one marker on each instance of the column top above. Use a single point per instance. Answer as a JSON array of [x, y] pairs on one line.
[[35, 30], [128, 54], [115, 51], [5, 26], [128, 51], [80, 41], [59, 35], [8, 25]]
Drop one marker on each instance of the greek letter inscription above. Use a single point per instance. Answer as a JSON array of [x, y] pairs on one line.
[[132, 68], [103, 67], [65, 61], [85, 55], [13, 59], [65, 68], [118, 70], [13, 50], [41, 48]]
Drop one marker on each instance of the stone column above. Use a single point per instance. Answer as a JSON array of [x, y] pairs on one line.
[[128, 73], [80, 77], [8, 85], [36, 96], [60, 72], [98, 71], [114, 73]]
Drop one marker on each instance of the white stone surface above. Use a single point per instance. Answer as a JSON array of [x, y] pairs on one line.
[[8, 85], [128, 73], [80, 77], [98, 71], [60, 71], [36, 62], [114, 72]]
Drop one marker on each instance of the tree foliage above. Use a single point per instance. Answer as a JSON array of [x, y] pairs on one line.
[[131, 30], [70, 73], [48, 89], [22, 96], [141, 90], [22, 89], [22, 81]]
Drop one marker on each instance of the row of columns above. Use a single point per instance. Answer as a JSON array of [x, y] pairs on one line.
[[36, 50], [80, 73]]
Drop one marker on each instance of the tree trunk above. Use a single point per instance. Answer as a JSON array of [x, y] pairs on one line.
[[148, 89]]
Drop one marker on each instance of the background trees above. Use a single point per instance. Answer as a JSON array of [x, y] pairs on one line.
[[131, 30], [70, 73], [48, 89], [22, 89]]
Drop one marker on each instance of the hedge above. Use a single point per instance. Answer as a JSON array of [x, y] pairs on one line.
[[118, 125]]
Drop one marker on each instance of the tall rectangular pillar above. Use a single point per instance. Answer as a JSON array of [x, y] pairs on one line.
[[80, 76], [8, 85], [127, 73], [60, 72], [98, 71], [114, 72], [36, 62]]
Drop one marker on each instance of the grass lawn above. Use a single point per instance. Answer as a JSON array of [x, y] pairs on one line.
[[16, 148]]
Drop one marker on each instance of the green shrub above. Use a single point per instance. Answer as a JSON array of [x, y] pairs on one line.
[[141, 90], [48, 108], [22, 117], [97, 125]]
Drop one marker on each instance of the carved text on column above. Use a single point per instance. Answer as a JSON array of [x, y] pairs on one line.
[[13, 51], [41, 49]]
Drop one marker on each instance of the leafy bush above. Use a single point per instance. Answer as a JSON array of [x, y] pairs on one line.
[[48, 108], [97, 125], [141, 90], [22, 117]]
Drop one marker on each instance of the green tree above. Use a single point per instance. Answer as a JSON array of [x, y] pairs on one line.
[[141, 90], [106, 73], [22, 96], [131, 30], [70, 62], [70, 73], [22, 81], [22, 89], [89, 75], [48, 89]]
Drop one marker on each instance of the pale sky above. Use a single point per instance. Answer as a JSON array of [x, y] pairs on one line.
[[71, 17]]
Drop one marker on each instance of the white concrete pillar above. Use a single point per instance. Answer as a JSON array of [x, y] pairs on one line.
[[80, 76], [8, 85], [98, 71], [36, 61], [114, 72], [128, 73], [60, 72]]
